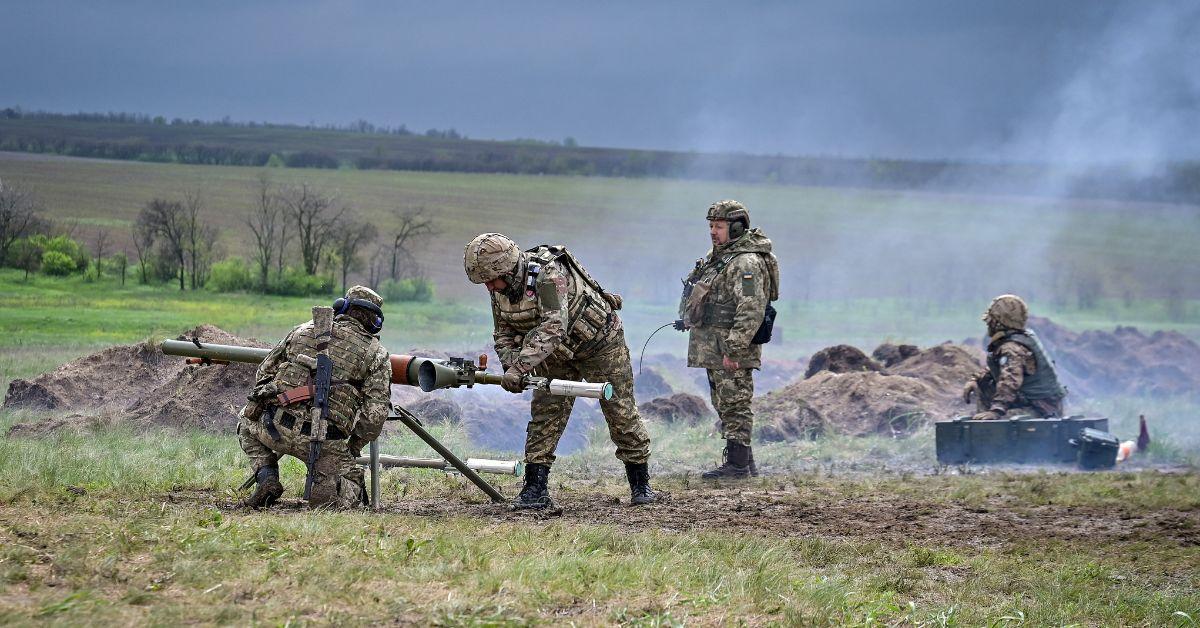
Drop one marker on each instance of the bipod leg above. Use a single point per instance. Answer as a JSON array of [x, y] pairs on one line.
[[411, 422], [375, 474]]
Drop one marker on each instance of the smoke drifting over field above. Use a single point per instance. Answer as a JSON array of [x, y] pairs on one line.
[[1115, 119]]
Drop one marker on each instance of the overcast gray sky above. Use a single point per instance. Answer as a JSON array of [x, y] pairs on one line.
[[951, 78]]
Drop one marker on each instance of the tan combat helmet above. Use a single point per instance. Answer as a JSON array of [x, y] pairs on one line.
[[729, 211], [490, 255], [1007, 311], [365, 294]]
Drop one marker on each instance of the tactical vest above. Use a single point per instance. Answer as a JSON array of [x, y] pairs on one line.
[[591, 312], [1041, 385], [722, 315], [351, 349]]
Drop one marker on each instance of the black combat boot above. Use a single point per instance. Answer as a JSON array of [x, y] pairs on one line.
[[736, 463], [534, 494], [268, 490], [753, 467], [639, 484]]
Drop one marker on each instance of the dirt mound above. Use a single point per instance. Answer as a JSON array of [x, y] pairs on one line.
[[857, 404], [650, 384], [142, 387], [1122, 362], [682, 408], [889, 354], [891, 401], [840, 359], [945, 368]]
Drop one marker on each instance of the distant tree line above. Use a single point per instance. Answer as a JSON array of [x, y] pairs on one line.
[[86, 135], [304, 241]]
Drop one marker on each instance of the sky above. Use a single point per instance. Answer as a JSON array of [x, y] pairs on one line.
[[979, 79]]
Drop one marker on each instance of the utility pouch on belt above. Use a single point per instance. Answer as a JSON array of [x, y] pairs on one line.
[[763, 335]]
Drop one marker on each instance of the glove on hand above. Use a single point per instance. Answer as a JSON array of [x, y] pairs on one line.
[[967, 391], [514, 380], [990, 415]]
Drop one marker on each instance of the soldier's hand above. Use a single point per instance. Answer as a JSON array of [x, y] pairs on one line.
[[990, 415], [967, 391], [728, 364], [514, 380]]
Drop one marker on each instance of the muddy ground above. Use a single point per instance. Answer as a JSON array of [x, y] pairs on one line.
[[789, 511]]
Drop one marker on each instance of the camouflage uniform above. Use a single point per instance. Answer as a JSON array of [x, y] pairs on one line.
[[1020, 377], [738, 280], [552, 319], [563, 327], [271, 427]]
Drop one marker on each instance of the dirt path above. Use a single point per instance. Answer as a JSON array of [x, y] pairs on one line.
[[799, 513]]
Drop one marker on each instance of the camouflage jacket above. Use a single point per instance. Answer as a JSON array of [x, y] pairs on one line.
[[362, 373], [562, 313], [1019, 376], [739, 285]]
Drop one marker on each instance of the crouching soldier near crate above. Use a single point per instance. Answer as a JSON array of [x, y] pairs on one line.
[[277, 419], [552, 319], [1020, 377], [726, 308]]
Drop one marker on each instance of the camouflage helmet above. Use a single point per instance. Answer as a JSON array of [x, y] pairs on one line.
[[364, 293], [1007, 311], [490, 255], [729, 211]]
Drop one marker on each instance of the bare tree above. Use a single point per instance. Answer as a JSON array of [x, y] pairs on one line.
[[266, 222], [123, 263], [27, 254], [349, 238], [193, 228], [412, 224], [285, 238], [101, 240], [165, 219], [315, 215], [143, 243], [377, 265], [18, 216]]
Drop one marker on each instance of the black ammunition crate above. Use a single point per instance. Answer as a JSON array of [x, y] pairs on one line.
[[1097, 449], [1012, 440]]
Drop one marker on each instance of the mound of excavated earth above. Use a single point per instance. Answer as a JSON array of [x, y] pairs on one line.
[[684, 408], [138, 386], [868, 398], [1123, 361]]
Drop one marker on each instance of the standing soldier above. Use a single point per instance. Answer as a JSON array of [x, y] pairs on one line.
[[277, 419], [553, 319], [726, 307], [1020, 376]]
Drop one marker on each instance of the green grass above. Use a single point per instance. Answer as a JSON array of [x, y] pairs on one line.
[[119, 527]]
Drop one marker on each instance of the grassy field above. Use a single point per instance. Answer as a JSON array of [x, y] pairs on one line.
[[119, 527], [108, 525], [640, 235]]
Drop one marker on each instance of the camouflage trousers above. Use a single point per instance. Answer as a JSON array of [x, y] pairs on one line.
[[549, 413], [339, 479], [732, 392], [1037, 408]]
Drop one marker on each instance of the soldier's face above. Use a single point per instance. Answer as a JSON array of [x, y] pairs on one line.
[[718, 231], [496, 285]]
